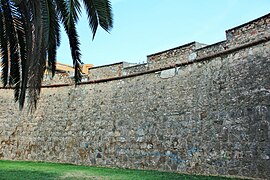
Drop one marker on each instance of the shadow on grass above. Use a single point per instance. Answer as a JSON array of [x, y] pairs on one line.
[[26, 174]]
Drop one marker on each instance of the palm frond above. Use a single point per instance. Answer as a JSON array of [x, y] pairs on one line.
[[51, 31], [13, 48], [74, 10], [38, 63], [70, 28], [99, 12], [75, 51], [26, 42], [30, 33], [4, 49], [15, 57]]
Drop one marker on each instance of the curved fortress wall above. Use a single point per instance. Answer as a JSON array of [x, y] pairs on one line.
[[207, 115]]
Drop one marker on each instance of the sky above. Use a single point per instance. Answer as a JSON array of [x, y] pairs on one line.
[[144, 27]]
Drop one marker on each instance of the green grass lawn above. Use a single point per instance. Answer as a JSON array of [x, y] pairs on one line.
[[38, 171]]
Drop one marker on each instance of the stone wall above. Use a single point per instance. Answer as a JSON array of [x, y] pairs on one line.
[[250, 31], [136, 69], [210, 116], [59, 78], [211, 49], [108, 71], [180, 54]]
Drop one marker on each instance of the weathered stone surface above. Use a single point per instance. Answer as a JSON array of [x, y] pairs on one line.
[[108, 71], [216, 120], [168, 73], [169, 57], [59, 78], [135, 69], [211, 117], [250, 31]]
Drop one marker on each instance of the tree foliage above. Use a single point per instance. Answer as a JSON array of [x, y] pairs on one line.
[[30, 35]]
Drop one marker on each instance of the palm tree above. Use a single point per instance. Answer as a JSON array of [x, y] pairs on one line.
[[30, 35]]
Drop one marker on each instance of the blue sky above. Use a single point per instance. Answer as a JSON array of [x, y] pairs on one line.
[[143, 27]]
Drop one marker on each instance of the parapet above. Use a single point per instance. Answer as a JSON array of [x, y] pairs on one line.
[[108, 71], [137, 68], [172, 56], [235, 37], [253, 30]]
